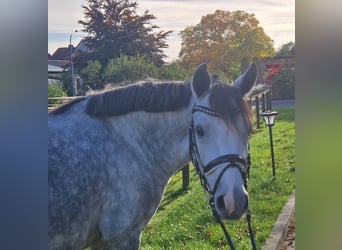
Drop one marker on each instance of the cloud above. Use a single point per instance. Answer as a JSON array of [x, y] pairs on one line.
[[64, 15], [276, 17]]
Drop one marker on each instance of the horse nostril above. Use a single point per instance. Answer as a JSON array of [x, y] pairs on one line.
[[220, 203]]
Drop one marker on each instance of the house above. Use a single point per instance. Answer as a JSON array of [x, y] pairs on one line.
[[59, 61], [61, 57], [54, 73]]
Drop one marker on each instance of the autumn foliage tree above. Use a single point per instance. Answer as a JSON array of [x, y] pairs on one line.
[[227, 41], [114, 29]]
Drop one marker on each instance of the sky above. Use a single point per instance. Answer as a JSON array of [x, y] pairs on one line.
[[276, 17]]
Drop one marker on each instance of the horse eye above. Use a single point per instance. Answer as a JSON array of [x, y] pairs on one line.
[[199, 131]]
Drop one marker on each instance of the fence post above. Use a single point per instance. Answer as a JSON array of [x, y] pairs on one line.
[[263, 104], [186, 177], [268, 96], [257, 111], [270, 99]]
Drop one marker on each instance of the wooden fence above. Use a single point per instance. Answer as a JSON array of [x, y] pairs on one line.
[[259, 102], [54, 102]]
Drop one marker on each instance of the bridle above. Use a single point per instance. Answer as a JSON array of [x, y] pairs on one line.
[[231, 160]]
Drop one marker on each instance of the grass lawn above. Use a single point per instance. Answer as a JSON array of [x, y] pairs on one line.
[[184, 219]]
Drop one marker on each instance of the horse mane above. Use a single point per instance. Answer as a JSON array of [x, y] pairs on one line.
[[148, 96], [227, 101], [158, 97]]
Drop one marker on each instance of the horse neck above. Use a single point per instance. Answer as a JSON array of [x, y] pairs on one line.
[[162, 138]]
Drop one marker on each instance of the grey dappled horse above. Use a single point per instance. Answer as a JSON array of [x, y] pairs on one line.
[[111, 155]]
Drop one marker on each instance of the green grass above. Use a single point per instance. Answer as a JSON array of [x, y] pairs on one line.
[[184, 219]]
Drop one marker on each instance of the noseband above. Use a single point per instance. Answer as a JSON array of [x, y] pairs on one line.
[[230, 161]]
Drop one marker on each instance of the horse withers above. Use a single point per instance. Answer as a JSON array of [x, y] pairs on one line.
[[111, 155]]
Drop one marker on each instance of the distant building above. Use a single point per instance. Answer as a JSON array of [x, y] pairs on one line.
[[59, 61], [61, 57], [54, 72]]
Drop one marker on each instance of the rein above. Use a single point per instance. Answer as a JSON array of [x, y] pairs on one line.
[[232, 160]]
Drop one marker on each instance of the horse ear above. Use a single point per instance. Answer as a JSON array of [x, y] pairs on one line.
[[247, 80], [201, 80]]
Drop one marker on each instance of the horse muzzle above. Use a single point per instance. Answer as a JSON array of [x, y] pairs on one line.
[[231, 206], [230, 199]]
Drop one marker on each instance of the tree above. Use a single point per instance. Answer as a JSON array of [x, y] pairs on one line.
[[115, 29], [67, 82], [227, 41], [92, 75], [288, 49], [283, 84]]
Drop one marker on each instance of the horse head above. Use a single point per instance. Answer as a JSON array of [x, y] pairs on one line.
[[219, 135]]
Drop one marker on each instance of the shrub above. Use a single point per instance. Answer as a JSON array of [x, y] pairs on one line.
[[174, 71], [92, 75], [129, 68], [283, 85], [56, 90]]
